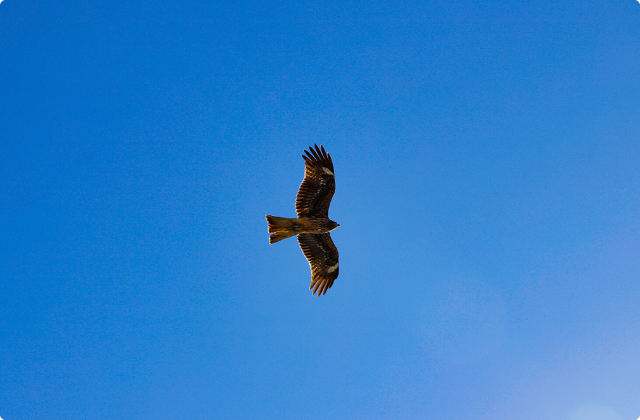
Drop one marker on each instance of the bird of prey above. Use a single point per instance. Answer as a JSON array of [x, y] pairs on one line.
[[313, 224]]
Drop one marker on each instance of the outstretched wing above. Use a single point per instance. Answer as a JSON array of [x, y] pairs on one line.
[[322, 255], [318, 185]]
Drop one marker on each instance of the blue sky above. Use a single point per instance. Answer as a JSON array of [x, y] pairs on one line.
[[487, 161]]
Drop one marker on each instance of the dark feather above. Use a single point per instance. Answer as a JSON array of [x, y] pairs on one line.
[[318, 186], [322, 255]]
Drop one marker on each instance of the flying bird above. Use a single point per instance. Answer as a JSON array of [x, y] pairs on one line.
[[313, 224]]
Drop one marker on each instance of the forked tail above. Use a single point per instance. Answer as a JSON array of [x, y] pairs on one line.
[[281, 228]]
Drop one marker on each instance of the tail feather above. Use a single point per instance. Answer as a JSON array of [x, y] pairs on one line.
[[281, 228], [276, 237]]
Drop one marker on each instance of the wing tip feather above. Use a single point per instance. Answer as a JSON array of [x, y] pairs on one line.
[[320, 285], [318, 158]]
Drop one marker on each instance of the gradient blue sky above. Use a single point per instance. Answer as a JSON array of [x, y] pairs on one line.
[[487, 160]]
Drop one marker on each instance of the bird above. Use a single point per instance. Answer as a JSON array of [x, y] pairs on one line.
[[313, 224]]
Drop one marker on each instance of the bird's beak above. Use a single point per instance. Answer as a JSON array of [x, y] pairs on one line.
[[337, 224]]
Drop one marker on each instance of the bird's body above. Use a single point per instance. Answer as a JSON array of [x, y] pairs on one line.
[[284, 227], [313, 224]]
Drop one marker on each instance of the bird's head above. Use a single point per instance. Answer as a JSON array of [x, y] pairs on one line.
[[332, 225]]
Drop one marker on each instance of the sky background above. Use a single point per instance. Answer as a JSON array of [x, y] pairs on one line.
[[487, 160]]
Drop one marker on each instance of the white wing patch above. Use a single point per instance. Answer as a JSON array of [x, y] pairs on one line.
[[327, 171], [333, 268]]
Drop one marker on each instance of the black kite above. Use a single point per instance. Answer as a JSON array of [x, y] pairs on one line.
[[313, 224]]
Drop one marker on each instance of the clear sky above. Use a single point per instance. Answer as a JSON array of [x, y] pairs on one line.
[[487, 160]]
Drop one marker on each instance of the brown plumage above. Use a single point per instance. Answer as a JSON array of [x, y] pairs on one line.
[[313, 224]]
